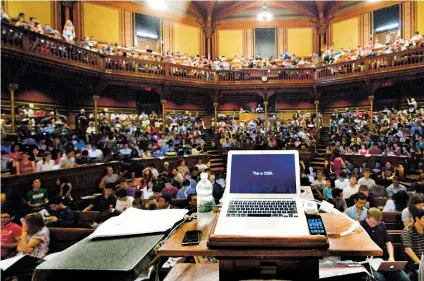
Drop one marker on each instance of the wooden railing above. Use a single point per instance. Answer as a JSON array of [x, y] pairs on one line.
[[42, 46], [371, 65]]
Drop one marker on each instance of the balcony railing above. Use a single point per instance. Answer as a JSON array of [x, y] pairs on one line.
[[42, 46]]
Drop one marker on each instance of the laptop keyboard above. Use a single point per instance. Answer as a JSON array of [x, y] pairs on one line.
[[262, 208]]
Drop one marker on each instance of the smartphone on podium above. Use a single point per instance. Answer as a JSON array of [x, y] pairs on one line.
[[192, 237]]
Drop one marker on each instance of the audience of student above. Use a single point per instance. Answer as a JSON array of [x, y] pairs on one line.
[[192, 202], [165, 202], [110, 177], [351, 188]]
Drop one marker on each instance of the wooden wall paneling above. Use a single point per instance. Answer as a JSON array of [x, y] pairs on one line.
[[407, 19], [249, 43], [128, 29]]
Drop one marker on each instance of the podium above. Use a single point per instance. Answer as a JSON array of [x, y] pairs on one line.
[[277, 263]]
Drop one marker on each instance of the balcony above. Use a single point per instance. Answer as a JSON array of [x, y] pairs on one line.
[[33, 46]]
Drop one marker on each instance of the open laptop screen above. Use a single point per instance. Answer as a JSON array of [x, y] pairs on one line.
[[263, 174]]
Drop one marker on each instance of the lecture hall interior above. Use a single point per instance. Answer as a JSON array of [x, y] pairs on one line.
[[123, 126]]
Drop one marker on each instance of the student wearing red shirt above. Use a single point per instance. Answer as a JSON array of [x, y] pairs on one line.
[[10, 234]]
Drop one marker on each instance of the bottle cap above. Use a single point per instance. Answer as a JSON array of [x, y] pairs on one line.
[[204, 176]]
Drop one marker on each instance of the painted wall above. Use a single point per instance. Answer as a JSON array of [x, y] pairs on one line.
[[230, 42], [345, 34], [293, 104], [351, 102], [41, 10], [186, 38], [300, 41], [102, 22], [420, 16]]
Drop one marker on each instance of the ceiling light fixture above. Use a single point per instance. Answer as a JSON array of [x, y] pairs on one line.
[[157, 4], [264, 15]]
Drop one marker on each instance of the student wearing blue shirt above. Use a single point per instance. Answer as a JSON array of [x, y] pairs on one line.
[[328, 189], [185, 190], [358, 212]]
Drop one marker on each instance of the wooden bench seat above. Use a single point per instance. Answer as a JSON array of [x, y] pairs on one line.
[[62, 238], [393, 220]]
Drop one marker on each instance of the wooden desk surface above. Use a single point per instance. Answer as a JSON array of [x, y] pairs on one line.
[[355, 244]]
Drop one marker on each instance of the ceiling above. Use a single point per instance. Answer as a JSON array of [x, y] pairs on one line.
[[224, 10]]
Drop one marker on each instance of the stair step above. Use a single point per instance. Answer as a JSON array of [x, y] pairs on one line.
[[216, 159], [317, 163], [217, 164], [214, 170], [412, 177]]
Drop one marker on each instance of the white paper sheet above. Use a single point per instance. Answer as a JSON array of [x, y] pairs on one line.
[[134, 221]]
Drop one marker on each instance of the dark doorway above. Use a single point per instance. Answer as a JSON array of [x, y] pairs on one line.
[[148, 101]]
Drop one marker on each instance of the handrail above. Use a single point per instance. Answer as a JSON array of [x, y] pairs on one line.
[[42, 46]]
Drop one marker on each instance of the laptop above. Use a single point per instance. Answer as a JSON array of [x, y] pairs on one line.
[[380, 265], [262, 197]]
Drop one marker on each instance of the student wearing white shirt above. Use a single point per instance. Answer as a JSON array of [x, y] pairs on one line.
[[200, 166], [341, 182], [125, 150], [68, 161], [123, 201], [46, 164], [366, 180], [351, 188]]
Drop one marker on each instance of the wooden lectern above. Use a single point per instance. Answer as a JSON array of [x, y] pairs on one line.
[[269, 263]]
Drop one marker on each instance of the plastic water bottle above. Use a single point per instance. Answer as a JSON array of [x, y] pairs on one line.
[[205, 201]]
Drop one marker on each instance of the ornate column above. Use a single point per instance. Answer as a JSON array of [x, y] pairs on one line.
[[163, 102], [316, 102], [96, 121], [215, 106], [12, 89], [266, 115], [371, 98]]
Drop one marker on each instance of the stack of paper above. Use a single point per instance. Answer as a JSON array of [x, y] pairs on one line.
[[134, 221]]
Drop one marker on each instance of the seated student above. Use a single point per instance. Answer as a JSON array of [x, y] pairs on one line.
[[378, 233], [35, 236], [152, 204], [110, 177], [193, 183], [185, 190], [60, 215], [123, 201], [419, 185], [25, 166], [68, 161], [104, 202], [9, 235], [378, 191], [416, 203], [341, 182], [358, 212], [366, 180], [362, 189], [192, 202], [351, 188], [413, 241], [200, 166], [136, 203], [165, 202], [83, 159], [123, 184], [170, 189], [395, 187], [328, 189], [337, 200], [398, 202], [37, 198]]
